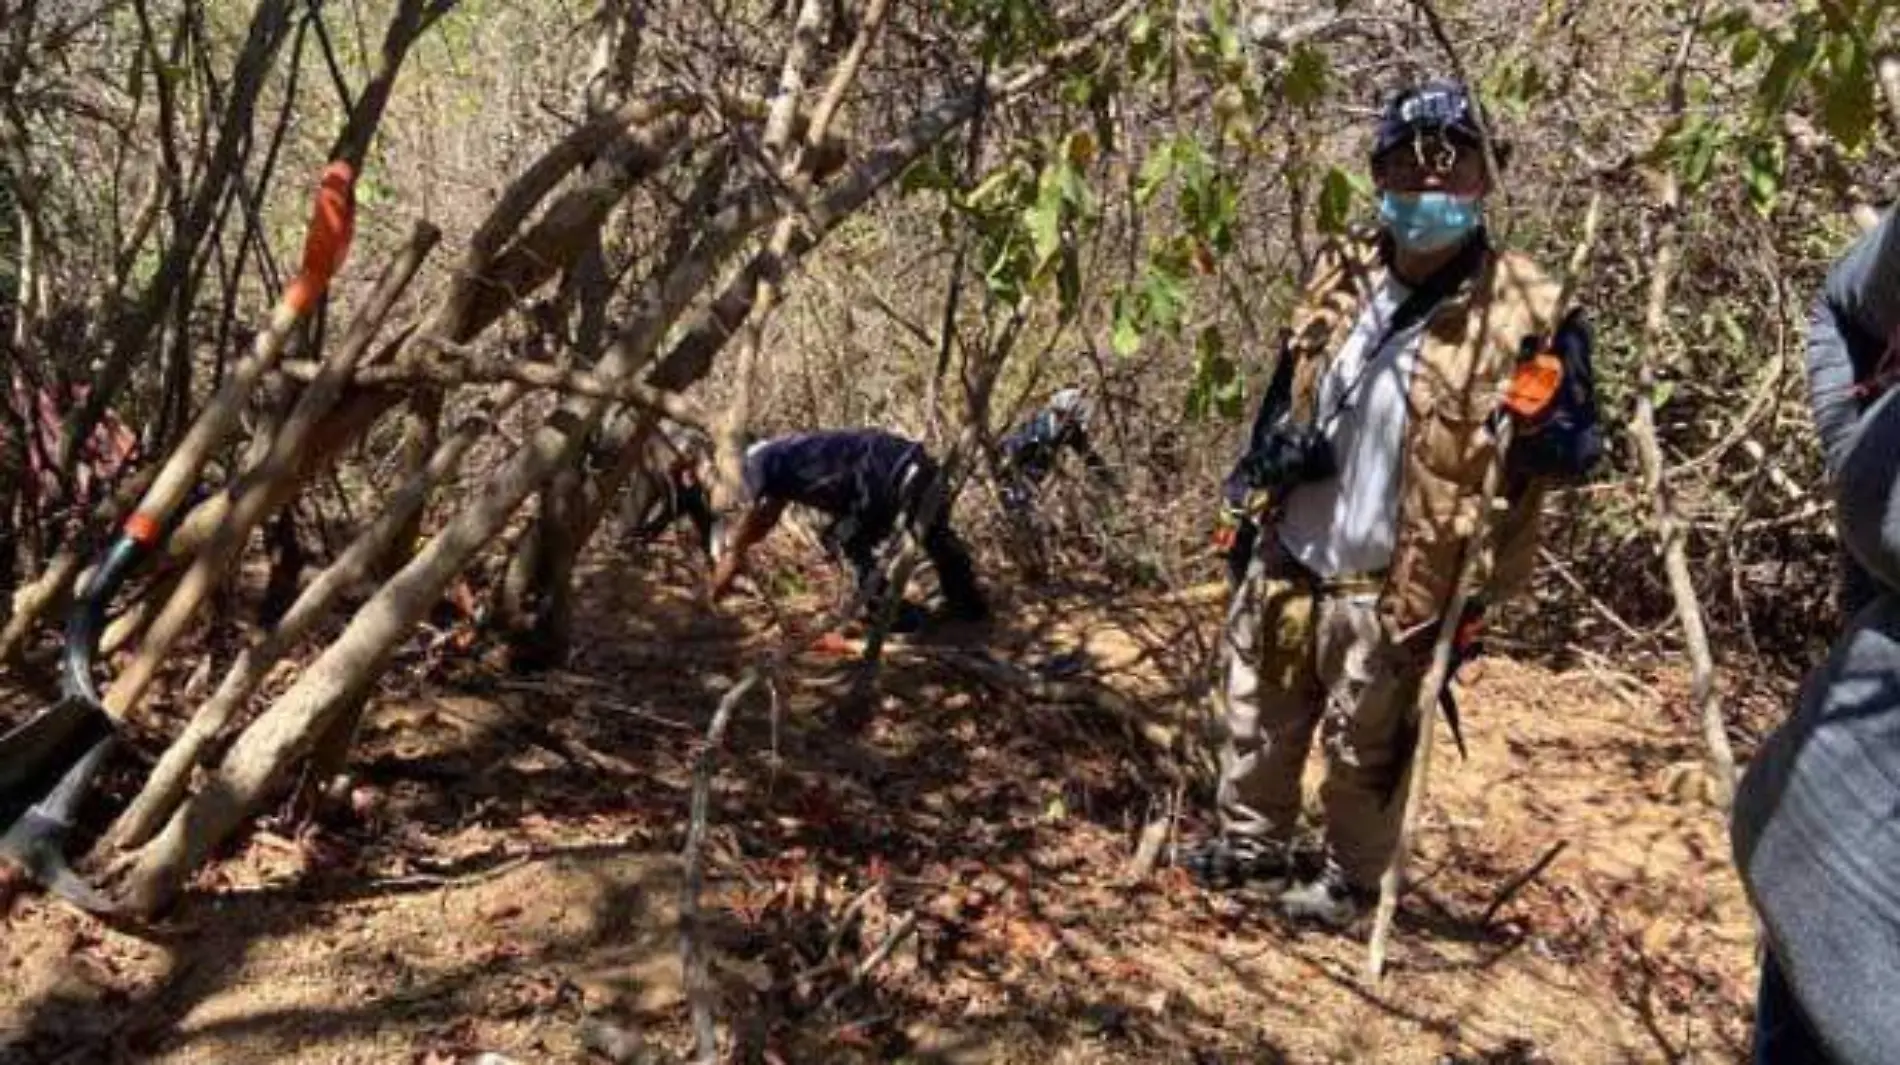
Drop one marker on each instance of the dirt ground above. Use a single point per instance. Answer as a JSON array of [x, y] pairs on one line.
[[507, 880]]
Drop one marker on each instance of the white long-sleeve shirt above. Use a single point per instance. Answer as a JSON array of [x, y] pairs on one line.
[[1348, 523]]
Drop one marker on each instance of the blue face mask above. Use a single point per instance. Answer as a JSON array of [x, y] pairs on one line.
[[1428, 221]]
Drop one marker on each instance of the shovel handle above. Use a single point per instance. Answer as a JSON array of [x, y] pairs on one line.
[[326, 242], [88, 620]]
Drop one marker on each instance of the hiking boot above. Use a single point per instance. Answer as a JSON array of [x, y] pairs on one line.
[[1326, 899], [1225, 862]]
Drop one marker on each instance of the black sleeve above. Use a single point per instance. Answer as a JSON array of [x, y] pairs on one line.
[[1853, 318], [1271, 414]]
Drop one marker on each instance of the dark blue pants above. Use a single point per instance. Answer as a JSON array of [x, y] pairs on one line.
[[856, 537], [1782, 1033]]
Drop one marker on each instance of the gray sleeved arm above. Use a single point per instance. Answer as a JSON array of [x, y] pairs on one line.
[[1848, 331]]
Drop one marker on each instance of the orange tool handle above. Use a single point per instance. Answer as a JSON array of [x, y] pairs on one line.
[[327, 242], [1533, 385]]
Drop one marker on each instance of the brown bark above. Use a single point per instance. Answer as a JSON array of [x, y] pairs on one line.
[[166, 784], [256, 494], [442, 364]]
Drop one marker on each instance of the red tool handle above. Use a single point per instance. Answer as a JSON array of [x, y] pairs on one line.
[[327, 242]]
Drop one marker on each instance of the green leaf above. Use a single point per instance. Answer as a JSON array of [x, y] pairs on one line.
[[1694, 147], [1217, 388], [1335, 201], [1847, 96], [1663, 393], [1163, 298], [1792, 60], [1154, 173], [1746, 49], [1307, 73], [994, 190], [925, 175], [1126, 337], [1191, 159], [1762, 174], [1044, 218]]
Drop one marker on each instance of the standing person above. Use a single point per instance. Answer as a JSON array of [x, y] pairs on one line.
[[1367, 457], [1854, 356], [1812, 827], [1031, 451], [866, 481]]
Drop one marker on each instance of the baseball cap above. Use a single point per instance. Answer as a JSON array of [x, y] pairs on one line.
[[1440, 106]]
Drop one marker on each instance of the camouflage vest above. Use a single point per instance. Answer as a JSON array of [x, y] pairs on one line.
[[1470, 342]]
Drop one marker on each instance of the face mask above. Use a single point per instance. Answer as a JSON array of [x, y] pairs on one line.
[[1428, 221]]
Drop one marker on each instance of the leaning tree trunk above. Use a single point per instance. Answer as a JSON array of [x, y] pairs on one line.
[[350, 666], [254, 500], [165, 786]]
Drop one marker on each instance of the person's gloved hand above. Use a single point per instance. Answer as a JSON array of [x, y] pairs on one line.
[[1290, 456], [1551, 398], [1227, 525]]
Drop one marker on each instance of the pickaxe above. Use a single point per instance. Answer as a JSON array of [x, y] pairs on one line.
[[62, 747]]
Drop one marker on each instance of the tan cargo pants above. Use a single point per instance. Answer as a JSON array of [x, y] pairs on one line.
[[1301, 656]]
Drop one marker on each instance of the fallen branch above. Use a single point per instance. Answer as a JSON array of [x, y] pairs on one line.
[[1520, 881], [876, 958], [692, 952], [1563, 573]]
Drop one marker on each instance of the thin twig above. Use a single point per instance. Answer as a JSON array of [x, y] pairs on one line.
[[1576, 585], [493, 872], [1517, 883], [692, 952], [851, 911], [876, 958]]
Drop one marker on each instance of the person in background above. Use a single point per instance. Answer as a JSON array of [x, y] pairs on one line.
[[866, 481], [1031, 451]]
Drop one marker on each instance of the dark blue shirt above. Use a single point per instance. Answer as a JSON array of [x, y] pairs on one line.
[[1032, 449], [838, 471]]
